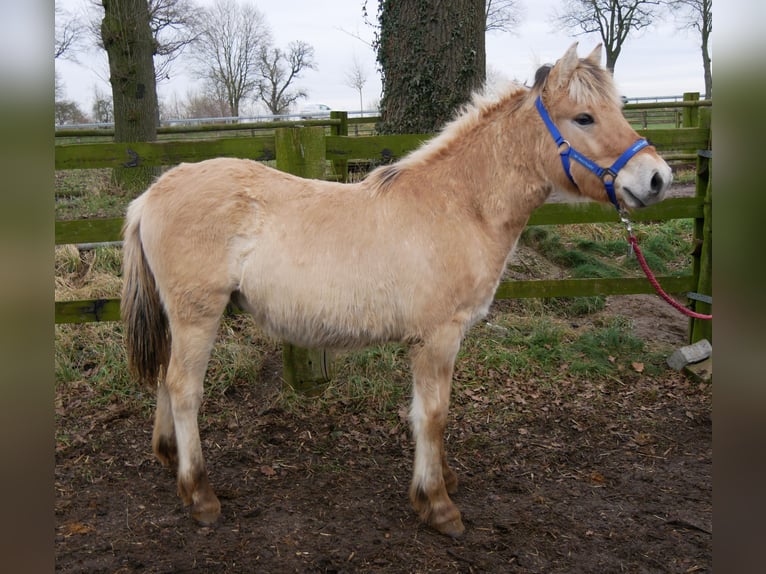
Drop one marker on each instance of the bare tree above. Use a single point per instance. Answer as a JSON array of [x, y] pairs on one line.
[[174, 26], [278, 69], [102, 109], [69, 33], [613, 20], [499, 16], [203, 103], [502, 15], [230, 40], [698, 15], [356, 78], [67, 112]]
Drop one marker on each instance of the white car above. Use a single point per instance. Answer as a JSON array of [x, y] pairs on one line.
[[315, 112]]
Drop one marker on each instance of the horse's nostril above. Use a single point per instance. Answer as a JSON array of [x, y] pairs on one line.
[[657, 184]]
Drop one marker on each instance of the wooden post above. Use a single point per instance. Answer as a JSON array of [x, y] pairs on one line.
[[301, 151], [703, 259], [691, 114], [340, 166]]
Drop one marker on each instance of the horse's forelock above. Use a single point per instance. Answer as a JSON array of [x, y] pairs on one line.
[[592, 83], [589, 83]]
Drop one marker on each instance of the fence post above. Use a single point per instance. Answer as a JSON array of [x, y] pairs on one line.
[[703, 257], [301, 151], [340, 166], [691, 114]]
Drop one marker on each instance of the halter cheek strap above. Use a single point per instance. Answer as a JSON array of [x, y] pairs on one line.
[[566, 151]]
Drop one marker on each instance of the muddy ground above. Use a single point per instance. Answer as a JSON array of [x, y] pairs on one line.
[[609, 477]]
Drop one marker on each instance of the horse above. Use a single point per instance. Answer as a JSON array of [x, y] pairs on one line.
[[413, 253]]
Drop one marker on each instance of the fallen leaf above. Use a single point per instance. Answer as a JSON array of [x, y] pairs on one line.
[[642, 439], [77, 528], [597, 478], [638, 367], [268, 471]]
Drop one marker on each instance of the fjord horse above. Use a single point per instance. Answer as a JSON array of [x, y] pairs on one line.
[[413, 253]]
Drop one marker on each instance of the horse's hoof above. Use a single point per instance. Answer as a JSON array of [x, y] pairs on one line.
[[206, 514], [453, 528]]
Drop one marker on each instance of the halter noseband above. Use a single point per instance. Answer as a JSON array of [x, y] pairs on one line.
[[606, 175]]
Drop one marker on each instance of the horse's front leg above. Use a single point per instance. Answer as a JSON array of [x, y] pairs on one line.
[[190, 351], [432, 366]]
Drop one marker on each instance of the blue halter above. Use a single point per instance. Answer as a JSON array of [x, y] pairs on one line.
[[607, 175]]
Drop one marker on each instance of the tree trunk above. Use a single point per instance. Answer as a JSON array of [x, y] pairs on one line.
[[432, 56], [706, 66], [130, 46]]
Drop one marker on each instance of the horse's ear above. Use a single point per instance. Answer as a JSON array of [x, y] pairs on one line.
[[595, 55], [562, 71]]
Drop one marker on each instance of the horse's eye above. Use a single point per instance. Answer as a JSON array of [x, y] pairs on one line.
[[584, 119]]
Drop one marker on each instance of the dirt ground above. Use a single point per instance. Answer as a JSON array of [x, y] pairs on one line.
[[613, 476], [625, 487]]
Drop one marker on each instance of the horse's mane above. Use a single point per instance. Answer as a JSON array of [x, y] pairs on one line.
[[467, 118]]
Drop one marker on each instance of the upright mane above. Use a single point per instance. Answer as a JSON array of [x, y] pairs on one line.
[[468, 117]]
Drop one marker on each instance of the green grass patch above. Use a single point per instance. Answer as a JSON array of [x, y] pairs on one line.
[[550, 348], [94, 354], [89, 193], [601, 250]]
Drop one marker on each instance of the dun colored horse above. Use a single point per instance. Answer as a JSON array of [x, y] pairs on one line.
[[413, 253]]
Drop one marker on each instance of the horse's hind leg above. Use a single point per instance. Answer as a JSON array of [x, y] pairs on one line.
[[432, 365], [164, 434], [192, 341]]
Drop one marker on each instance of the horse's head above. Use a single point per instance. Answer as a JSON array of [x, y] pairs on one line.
[[597, 148]]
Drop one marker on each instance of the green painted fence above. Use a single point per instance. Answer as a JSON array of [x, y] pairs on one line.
[[288, 145]]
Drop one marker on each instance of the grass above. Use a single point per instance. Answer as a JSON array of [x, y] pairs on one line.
[[601, 250], [89, 193], [515, 351]]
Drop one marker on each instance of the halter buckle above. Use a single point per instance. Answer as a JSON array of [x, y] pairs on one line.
[[608, 176]]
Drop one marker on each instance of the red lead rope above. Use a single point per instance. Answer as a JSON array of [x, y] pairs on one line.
[[656, 284]]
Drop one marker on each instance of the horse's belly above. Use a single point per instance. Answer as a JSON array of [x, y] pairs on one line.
[[316, 312]]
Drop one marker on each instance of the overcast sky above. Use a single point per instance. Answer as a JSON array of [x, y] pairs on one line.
[[660, 61]]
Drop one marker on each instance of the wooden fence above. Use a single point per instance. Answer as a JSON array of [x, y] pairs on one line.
[[305, 150]]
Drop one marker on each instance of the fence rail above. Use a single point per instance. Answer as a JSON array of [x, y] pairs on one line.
[[674, 143]]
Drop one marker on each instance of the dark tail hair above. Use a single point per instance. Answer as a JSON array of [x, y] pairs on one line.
[[147, 335]]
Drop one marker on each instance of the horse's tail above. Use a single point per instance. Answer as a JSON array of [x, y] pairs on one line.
[[147, 336]]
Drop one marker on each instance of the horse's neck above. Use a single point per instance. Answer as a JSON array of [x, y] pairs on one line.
[[502, 176]]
